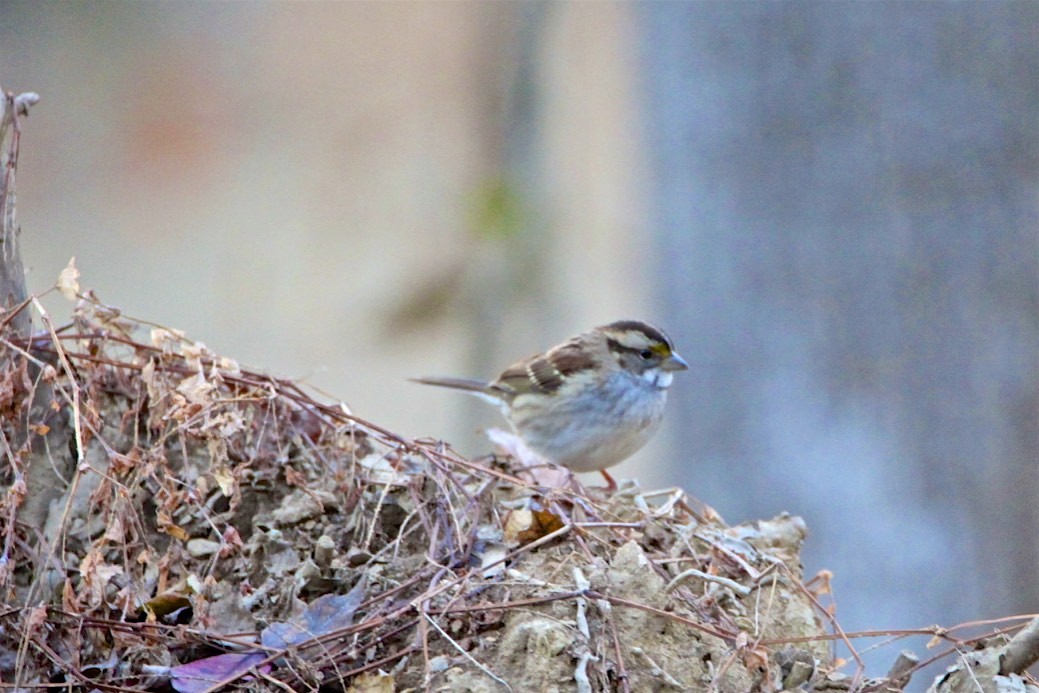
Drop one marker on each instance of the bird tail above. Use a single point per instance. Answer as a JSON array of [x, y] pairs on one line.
[[454, 383], [474, 387]]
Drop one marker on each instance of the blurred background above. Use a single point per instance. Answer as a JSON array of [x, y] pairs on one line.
[[833, 207]]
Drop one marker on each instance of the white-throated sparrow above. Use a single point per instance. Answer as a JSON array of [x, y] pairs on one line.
[[590, 402]]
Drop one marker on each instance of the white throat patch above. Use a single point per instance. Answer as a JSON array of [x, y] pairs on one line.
[[658, 378]]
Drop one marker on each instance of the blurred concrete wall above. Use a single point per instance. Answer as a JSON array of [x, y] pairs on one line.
[[847, 201]]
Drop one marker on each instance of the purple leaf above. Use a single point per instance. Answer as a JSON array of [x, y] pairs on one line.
[[203, 674], [324, 615]]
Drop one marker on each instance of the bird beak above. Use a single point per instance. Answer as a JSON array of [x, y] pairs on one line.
[[674, 363]]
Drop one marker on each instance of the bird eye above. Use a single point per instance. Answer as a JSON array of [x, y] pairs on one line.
[[646, 354]]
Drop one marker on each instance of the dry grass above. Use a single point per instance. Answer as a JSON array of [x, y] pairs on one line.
[[213, 526]]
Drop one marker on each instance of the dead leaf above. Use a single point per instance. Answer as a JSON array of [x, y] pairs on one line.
[[69, 602], [381, 470], [373, 682], [232, 542], [525, 525], [165, 604], [17, 490], [196, 389], [294, 478], [120, 465], [202, 674], [228, 366], [165, 524], [492, 559], [37, 617], [755, 659], [166, 339], [325, 614], [115, 531], [194, 352], [517, 522], [225, 479], [68, 281], [96, 574]]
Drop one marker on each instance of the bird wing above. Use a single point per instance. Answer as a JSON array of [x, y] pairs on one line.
[[545, 373]]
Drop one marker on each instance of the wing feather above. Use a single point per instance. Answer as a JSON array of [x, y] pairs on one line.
[[545, 373]]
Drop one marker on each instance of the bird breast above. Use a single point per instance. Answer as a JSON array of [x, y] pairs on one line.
[[594, 429]]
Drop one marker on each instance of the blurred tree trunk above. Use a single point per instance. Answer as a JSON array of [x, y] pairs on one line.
[[33, 442], [12, 274]]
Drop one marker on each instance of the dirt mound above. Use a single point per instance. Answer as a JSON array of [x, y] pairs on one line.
[[174, 519]]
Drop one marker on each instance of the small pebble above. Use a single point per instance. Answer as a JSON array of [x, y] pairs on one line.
[[202, 547]]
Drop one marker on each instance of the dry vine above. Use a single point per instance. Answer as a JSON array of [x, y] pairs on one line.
[[206, 503], [222, 527]]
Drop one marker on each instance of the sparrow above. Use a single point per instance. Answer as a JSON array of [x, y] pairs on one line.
[[590, 402]]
